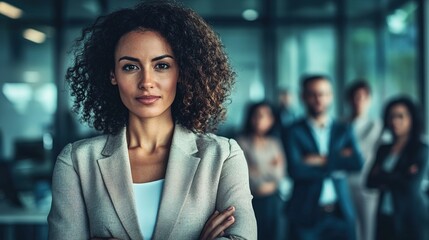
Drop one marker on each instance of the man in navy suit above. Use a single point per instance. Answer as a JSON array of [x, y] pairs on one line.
[[320, 151]]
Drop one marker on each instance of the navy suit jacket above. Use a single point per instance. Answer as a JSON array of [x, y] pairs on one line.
[[303, 207]]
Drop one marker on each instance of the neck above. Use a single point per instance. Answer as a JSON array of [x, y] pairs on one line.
[[402, 140], [320, 119], [357, 114], [258, 139], [149, 134]]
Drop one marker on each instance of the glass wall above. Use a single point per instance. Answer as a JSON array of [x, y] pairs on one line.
[[28, 93], [248, 66], [384, 50], [304, 50], [380, 44], [401, 50]]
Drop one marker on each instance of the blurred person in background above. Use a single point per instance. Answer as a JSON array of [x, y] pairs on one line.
[[367, 132], [265, 158], [398, 171], [319, 152], [153, 79], [285, 114]]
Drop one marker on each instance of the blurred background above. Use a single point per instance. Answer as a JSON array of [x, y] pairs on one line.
[[271, 43]]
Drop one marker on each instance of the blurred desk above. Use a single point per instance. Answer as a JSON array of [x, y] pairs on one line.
[[31, 222]]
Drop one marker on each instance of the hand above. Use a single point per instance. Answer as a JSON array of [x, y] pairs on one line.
[[315, 160], [266, 188], [217, 224], [275, 162], [346, 152], [413, 169]]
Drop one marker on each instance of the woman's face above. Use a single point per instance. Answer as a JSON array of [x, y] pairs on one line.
[[262, 120], [400, 120], [146, 73]]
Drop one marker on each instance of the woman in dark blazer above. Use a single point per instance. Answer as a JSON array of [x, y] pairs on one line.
[[153, 79], [398, 172]]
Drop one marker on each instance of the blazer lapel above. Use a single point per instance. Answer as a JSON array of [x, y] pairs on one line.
[[311, 136], [116, 172], [180, 173], [333, 136]]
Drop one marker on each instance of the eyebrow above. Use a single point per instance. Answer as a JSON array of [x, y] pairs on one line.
[[153, 59], [161, 57]]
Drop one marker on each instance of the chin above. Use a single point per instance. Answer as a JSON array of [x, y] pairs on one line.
[[316, 113]]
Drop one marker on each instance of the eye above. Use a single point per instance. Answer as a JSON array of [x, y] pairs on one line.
[[162, 66], [129, 67]]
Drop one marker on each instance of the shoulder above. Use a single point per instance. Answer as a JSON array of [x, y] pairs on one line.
[[86, 147], [423, 148], [213, 151], [296, 126], [342, 125], [384, 148], [213, 144]]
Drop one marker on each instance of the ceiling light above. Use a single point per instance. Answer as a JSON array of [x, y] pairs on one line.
[[34, 35], [397, 22], [250, 14], [10, 10]]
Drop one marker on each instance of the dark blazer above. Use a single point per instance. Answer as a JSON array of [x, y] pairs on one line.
[[92, 195], [303, 207], [410, 202]]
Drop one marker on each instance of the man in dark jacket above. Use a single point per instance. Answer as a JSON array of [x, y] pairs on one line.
[[320, 151]]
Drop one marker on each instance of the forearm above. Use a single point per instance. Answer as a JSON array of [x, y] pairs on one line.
[[303, 171]]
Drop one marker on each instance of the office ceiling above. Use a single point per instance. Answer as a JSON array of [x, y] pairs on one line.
[[88, 9]]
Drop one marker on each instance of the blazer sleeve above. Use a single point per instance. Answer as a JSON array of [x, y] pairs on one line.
[[400, 178], [67, 218], [346, 162], [234, 191], [297, 169]]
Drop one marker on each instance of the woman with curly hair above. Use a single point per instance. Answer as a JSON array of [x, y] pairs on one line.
[[153, 79]]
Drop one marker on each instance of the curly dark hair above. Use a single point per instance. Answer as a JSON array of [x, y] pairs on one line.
[[206, 77]]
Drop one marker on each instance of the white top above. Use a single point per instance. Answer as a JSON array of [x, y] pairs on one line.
[[261, 158], [368, 135], [147, 198], [322, 135]]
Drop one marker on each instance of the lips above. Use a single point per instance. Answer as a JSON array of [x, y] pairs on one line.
[[148, 99]]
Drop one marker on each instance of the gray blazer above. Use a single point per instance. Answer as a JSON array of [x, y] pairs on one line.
[[92, 194]]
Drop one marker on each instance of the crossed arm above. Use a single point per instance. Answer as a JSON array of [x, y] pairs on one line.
[[307, 166], [398, 178]]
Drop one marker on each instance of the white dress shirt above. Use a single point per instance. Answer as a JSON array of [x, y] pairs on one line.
[[322, 135]]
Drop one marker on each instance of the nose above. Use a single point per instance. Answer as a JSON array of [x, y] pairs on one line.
[[146, 80]]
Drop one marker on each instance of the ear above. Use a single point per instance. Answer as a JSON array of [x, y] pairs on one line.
[[113, 79]]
